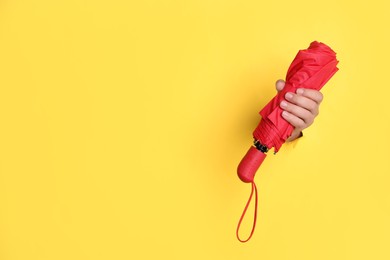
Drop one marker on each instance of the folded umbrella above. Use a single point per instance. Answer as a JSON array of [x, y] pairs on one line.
[[311, 69]]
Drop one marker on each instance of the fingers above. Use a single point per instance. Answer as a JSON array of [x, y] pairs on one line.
[[301, 108], [280, 84], [312, 94], [299, 112], [304, 101], [295, 121]]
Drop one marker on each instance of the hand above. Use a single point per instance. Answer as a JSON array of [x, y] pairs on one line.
[[300, 108]]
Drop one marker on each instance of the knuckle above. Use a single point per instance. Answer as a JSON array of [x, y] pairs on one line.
[[313, 107], [320, 97], [299, 123], [295, 98]]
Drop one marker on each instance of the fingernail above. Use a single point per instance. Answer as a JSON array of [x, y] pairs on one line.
[[283, 104], [289, 95], [284, 113], [299, 91]]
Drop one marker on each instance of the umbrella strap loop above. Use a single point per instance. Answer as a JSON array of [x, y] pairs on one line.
[[254, 190]]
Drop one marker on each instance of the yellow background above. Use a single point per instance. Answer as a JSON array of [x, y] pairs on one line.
[[122, 124]]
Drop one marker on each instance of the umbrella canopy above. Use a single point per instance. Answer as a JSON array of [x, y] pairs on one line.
[[311, 69]]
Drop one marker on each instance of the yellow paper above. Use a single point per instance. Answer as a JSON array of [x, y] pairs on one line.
[[122, 124]]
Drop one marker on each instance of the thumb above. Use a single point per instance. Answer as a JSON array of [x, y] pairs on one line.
[[280, 85]]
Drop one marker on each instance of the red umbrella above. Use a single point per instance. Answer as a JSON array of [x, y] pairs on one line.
[[311, 68]]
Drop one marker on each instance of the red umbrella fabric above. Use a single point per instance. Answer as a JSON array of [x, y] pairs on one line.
[[311, 68]]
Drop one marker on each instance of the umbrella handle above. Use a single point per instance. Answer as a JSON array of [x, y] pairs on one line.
[[246, 172], [250, 163]]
